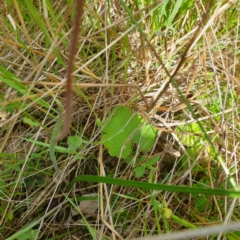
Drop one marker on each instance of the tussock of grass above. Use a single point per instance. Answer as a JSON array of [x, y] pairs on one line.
[[183, 56]]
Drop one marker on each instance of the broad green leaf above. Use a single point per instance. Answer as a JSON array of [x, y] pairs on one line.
[[122, 129], [118, 131]]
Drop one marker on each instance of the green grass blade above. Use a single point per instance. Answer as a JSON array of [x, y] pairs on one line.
[[182, 222], [55, 133], [38, 19], [12, 81], [174, 12], [145, 185], [35, 15]]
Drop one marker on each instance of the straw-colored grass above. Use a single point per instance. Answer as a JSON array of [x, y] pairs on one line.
[[173, 63]]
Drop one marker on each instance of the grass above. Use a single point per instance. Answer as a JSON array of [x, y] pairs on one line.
[[166, 167]]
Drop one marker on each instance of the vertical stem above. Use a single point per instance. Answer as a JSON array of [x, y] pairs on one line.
[[73, 50]]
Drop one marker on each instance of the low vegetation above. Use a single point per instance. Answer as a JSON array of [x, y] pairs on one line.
[[153, 145]]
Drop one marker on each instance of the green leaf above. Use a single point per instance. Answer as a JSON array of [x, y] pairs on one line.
[[74, 142], [152, 160], [187, 139], [119, 130], [122, 129], [139, 171], [145, 137]]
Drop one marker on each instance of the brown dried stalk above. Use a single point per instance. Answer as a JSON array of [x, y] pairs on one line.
[[73, 51]]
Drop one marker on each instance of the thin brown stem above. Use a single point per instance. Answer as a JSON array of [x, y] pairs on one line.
[[73, 51]]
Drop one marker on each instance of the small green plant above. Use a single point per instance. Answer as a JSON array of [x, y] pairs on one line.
[[144, 164], [123, 129], [119, 42]]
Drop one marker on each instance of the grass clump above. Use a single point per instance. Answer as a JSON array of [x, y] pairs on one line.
[[153, 146]]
